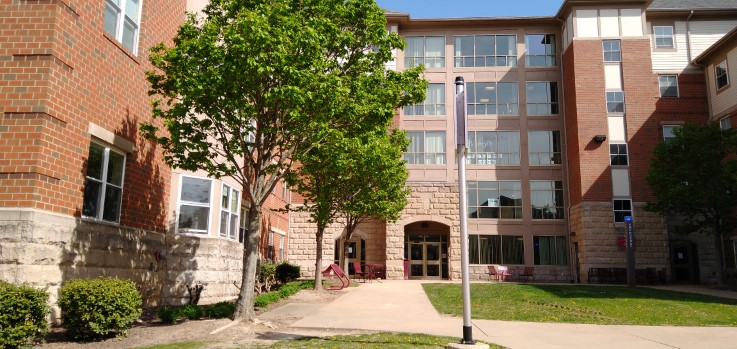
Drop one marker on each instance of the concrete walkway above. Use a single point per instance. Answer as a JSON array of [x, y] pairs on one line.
[[402, 306]]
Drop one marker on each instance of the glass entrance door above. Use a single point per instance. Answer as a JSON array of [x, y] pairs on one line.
[[432, 260], [427, 257]]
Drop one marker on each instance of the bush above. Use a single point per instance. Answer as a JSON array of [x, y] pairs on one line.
[[167, 314], [191, 312], [92, 308], [220, 310], [285, 291], [23, 313], [286, 272]]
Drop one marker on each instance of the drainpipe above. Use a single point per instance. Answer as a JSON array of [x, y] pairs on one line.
[[688, 37]]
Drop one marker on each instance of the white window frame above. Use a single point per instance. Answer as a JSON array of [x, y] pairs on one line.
[[421, 109], [660, 84], [425, 153], [657, 36], [181, 202], [103, 181], [229, 212], [725, 123], [624, 107], [618, 154], [120, 18], [610, 51], [281, 248], [417, 60], [668, 131], [725, 69], [622, 210]]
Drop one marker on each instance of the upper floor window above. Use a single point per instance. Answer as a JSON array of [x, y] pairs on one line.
[[618, 154], [485, 51], [493, 98], [426, 147], [122, 21], [668, 132], [663, 36], [668, 85], [622, 208], [547, 199], [725, 123], [544, 147], [615, 102], [103, 186], [542, 98], [493, 147], [612, 50], [229, 209], [425, 50], [495, 199], [434, 103], [195, 201], [540, 50], [720, 72]]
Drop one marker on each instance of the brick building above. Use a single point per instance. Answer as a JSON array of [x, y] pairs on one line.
[[563, 114]]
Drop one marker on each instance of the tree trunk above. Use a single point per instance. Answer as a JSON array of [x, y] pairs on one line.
[[318, 258], [346, 244], [244, 309], [719, 250]]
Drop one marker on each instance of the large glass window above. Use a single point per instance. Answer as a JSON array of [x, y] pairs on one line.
[[495, 199], [493, 148], [720, 72], [663, 36], [544, 147], [615, 102], [622, 208], [618, 154], [496, 249], [194, 205], [540, 50], [542, 98], [668, 85], [229, 209], [550, 250], [547, 199], [493, 98], [103, 187], [426, 147], [425, 50], [122, 20], [612, 50], [485, 51], [434, 103]]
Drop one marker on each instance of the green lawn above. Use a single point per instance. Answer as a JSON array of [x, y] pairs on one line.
[[373, 340], [606, 305]]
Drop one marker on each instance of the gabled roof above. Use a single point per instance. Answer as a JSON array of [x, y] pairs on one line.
[[726, 43], [692, 4]]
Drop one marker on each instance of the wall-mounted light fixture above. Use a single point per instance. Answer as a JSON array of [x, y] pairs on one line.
[[599, 138]]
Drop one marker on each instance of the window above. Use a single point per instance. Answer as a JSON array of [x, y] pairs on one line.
[[229, 209], [547, 199], [270, 247], [668, 85], [540, 50], [615, 102], [663, 36], [544, 147], [493, 148], [281, 248], [492, 98], [434, 103], [725, 123], [720, 72], [496, 249], [495, 199], [194, 205], [103, 187], [485, 51], [668, 133], [612, 50], [622, 208], [244, 226], [425, 50], [122, 21], [542, 98], [618, 154], [550, 250], [426, 147]]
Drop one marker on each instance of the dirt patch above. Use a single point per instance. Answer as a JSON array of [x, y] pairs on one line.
[[150, 331]]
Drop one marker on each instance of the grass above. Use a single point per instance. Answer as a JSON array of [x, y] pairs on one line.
[[604, 305], [373, 340], [180, 345]]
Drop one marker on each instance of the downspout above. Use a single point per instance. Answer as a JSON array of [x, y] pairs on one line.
[[688, 37]]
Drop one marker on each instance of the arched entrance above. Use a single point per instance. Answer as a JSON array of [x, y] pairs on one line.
[[356, 252], [426, 250]]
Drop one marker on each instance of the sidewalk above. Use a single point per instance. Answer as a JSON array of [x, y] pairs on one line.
[[401, 306]]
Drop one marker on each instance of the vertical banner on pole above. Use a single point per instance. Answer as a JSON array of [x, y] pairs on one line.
[[629, 237]]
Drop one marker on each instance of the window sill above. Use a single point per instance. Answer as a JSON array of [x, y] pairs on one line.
[[722, 89], [100, 221], [121, 47]]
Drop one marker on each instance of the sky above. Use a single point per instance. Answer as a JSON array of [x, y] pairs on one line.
[[472, 8]]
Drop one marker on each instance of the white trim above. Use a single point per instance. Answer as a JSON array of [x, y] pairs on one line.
[[278, 231], [103, 181], [179, 206]]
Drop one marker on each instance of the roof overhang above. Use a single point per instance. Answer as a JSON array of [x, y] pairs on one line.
[[720, 48]]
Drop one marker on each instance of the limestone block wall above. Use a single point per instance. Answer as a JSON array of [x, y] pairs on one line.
[[45, 249], [596, 235]]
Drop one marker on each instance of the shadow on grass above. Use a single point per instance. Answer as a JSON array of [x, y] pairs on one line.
[[613, 292]]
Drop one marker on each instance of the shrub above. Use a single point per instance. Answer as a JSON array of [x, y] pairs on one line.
[[286, 272], [93, 308], [284, 291], [167, 314], [220, 310], [23, 313], [191, 312]]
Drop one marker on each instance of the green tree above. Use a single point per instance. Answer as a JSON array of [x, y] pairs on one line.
[[694, 179], [249, 84], [357, 177]]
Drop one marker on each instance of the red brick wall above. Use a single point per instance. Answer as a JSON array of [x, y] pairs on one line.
[[272, 218], [59, 71]]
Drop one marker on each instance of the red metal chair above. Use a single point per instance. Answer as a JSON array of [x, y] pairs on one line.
[[358, 271], [528, 273]]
